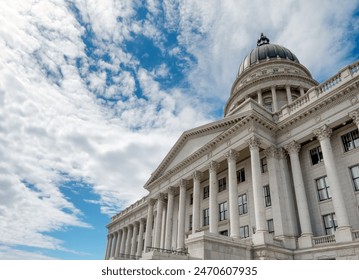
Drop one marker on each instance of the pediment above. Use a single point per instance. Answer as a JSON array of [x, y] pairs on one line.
[[192, 141]]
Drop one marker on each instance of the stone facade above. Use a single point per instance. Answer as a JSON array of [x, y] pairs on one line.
[[276, 178]]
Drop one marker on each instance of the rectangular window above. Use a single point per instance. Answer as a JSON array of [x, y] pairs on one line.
[[270, 226], [242, 204], [222, 184], [223, 211], [190, 222], [264, 166], [316, 155], [267, 199], [205, 192], [330, 223], [241, 176], [191, 199], [351, 140], [323, 188], [355, 176], [224, 232], [244, 231], [206, 217]]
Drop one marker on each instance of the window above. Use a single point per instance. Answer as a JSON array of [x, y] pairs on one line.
[[190, 222], [191, 199], [264, 166], [241, 176], [316, 155], [351, 140], [330, 223], [223, 211], [244, 231], [242, 204], [205, 192], [224, 232], [267, 199], [355, 176], [270, 226], [206, 217], [222, 184], [323, 188]]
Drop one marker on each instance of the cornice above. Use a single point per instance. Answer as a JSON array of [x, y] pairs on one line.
[[252, 119]]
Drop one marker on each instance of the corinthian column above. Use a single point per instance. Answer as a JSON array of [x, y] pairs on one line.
[[233, 193], [259, 213], [196, 203], [123, 241], [134, 239], [160, 202], [140, 238], [181, 214], [169, 220], [148, 236], [129, 240], [213, 190], [305, 240], [343, 232]]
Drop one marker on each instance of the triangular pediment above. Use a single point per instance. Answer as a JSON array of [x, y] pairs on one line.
[[192, 141]]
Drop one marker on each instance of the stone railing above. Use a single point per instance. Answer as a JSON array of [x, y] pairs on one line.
[[129, 208], [318, 91], [322, 240]]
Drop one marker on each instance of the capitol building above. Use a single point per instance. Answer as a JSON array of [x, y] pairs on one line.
[[276, 178]]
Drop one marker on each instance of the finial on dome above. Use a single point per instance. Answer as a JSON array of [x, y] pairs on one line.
[[262, 40]]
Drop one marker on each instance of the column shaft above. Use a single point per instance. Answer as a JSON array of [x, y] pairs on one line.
[[289, 94], [213, 205], [169, 220], [181, 215], [260, 98], [123, 241], [148, 236], [134, 239], [274, 100], [233, 193], [196, 201], [118, 243], [140, 238], [129, 240], [158, 224]]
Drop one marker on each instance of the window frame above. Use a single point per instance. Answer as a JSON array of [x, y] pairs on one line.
[[270, 226], [317, 151], [205, 217], [349, 142], [243, 204], [222, 184], [205, 192], [241, 175], [223, 211], [244, 231], [264, 165], [329, 230], [355, 180], [267, 196], [323, 192], [190, 222]]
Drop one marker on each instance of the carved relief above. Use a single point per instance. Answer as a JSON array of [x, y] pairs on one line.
[[213, 166], [232, 155], [323, 132], [355, 116], [254, 142], [293, 147]]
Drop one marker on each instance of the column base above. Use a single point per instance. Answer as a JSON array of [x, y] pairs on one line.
[[343, 234], [305, 241], [262, 237]]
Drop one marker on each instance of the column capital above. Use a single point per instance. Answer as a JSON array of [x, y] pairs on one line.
[[254, 142], [282, 154], [171, 190], [271, 152], [293, 147], [151, 202], [213, 166], [161, 197], [232, 154], [183, 183], [197, 175], [355, 116], [323, 132]]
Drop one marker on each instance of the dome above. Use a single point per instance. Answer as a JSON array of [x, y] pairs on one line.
[[266, 51]]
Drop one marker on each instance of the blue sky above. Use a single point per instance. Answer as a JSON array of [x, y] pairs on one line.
[[93, 94]]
